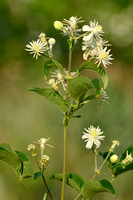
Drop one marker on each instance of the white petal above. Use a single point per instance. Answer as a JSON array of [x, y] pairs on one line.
[[86, 54], [85, 28], [89, 144], [97, 143], [88, 38]]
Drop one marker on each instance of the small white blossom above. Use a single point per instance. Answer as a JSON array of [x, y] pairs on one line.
[[36, 48], [103, 96], [93, 136], [128, 158], [31, 146], [94, 31], [60, 79], [70, 75], [53, 84], [45, 159], [42, 37], [43, 142], [114, 158], [115, 143], [102, 56]]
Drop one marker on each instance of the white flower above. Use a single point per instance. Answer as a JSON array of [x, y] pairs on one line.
[[36, 48], [102, 56], [94, 31], [31, 146], [115, 142], [103, 96], [42, 37], [128, 158], [60, 79], [113, 158], [53, 84], [93, 136], [43, 142], [45, 159]]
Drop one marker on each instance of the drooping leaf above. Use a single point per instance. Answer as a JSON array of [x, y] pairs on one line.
[[123, 167], [73, 180], [27, 169], [48, 66], [58, 65], [22, 156], [91, 188], [37, 175], [8, 147], [99, 70], [52, 96], [97, 85], [11, 158], [79, 86]]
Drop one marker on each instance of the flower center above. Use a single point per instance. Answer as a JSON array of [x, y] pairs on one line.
[[36, 47], [103, 55], [94, 133], [97, 29]]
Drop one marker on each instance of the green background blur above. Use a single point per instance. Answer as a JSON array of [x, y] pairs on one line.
[[26, 117]]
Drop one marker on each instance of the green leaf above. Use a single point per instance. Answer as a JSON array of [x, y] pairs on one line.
[[97, 85], [73, 180], [8, 147], [120, 167], [91, 188], [22, 156], [37, 175], [99, 70], [79, 86], [52, 96], [58, 65], [48, 66], [27, 169], [11, 158]]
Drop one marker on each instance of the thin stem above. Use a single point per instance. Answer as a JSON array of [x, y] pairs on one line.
[[46, 186], [104, 161], [93, 177], [64, 162], [70, 59], [77, 196]]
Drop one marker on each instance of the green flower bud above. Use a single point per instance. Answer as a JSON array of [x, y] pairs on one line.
[[58, 25], [113, 158]]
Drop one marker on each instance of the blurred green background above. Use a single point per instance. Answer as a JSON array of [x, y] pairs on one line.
[[26, 117]]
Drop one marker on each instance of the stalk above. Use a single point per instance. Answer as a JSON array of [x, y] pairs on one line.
[[64, 161]]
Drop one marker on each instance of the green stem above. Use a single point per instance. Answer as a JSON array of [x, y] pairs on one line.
[[104, 161], [70, 59], [64, 162], [46, 186], [77, 196]]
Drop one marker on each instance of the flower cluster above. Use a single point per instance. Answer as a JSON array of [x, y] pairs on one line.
[[41, 46], [69, 27], [94, 46]]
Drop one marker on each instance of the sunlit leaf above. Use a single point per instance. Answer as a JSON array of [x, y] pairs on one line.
[[99, 70], [52, 96], [79, 86]]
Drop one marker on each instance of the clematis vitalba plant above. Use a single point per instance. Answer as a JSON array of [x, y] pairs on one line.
[[69, 90]]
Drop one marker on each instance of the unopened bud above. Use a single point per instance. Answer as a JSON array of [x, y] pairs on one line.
[[51, 41], [58, 25], [113, 158]]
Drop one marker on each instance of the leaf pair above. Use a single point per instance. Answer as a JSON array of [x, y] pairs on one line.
[[17, 160], [87, 189]]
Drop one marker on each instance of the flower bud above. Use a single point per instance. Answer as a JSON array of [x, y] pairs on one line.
[[51, 41], [113, 158], [58, 25]]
